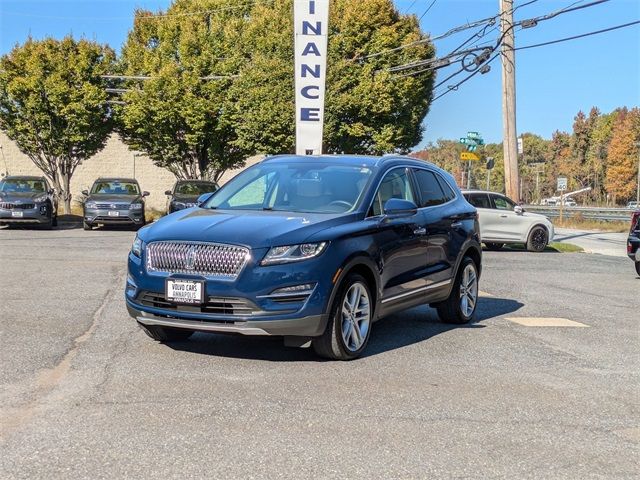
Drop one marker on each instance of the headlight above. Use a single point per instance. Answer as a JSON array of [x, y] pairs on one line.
[[136, 248], [293, 253], [179, 205], [90, 205], [40, 199], [135, 206]]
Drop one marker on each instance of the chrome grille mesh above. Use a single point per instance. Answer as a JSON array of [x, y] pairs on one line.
[[208, 259]]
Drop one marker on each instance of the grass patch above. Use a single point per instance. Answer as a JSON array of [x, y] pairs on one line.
[[579, 223], [553, 247]]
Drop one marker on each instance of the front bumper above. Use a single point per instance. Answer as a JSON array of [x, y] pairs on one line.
[[114, 217], [38, 215]]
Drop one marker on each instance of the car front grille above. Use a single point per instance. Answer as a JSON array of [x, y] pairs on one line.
[[20, 206], [112, 206], [208, 259], [213, 305]]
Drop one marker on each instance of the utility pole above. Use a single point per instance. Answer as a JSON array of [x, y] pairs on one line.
[[510, 141], [638, 186]]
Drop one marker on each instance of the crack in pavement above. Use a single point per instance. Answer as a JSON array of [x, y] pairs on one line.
[[48, 379]]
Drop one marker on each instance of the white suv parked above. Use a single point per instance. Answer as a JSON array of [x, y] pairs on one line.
[[502, 221]]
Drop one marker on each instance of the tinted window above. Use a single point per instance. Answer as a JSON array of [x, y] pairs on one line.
[[478, 200], [446, 188], [395, 184], [195, 188], [22, 185], [502, 203], [116, 187], [430, 190]]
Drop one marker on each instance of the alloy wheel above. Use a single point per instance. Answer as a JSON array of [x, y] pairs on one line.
[[468, 290], [356, 316]]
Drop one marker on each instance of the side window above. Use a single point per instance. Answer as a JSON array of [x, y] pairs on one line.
[[430, 190], [446, 188], [478, 200], [502, 203], [395, 184]]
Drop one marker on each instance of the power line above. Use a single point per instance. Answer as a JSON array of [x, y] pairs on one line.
[[427, 10], [566, 39], [484, 69]]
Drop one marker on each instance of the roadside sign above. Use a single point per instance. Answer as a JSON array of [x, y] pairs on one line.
[[471, 148], [520, 146], [490, 163], [463, 140], [562, 184], [469, 156], [473, 135]]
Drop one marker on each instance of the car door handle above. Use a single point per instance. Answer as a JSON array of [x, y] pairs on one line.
[[420, 231], [503, 216]]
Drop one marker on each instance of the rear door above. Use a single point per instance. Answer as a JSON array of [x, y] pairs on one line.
[[489, 216]]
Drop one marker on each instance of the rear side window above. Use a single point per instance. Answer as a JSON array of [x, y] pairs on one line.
[[478, 200], [448, 191], [430, 190]]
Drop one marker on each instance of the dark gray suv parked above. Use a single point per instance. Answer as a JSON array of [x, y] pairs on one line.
[[27, 199], [114, 201]]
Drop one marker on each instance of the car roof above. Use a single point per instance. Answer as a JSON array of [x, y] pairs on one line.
[[351, 159], [116, 179], [23, 177]]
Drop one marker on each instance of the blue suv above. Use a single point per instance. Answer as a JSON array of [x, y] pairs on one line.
[[312, 249]]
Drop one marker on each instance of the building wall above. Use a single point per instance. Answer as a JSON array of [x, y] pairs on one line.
[[115, 160]]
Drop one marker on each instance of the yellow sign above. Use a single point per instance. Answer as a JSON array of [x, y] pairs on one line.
[[469, 156]]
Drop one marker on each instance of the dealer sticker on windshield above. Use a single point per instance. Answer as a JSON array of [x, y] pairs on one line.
[[185, 291]]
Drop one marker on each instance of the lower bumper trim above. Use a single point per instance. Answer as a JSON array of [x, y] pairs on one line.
[[202, 326]]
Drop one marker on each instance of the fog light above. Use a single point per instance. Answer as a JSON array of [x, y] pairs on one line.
[[305, 288]]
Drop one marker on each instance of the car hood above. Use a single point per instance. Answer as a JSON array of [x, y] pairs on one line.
[[19, 196], [185, 198], [248, 228], [536, 216], [104, 197]]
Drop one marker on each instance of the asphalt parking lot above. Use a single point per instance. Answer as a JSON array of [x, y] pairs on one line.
[[85, 394]]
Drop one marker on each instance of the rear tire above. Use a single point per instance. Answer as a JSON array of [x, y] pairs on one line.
[[638, 268], [461, 305], [538, 239], [165, 334], [349, 326], [86, 226], [493, 246]]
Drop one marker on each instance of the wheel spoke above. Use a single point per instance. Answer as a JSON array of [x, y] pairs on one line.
[[357, 336]]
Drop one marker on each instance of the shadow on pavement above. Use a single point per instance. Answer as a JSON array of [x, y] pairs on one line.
[[394, 332]]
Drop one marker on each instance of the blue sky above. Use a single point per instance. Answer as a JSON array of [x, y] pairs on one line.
[[553, 82]]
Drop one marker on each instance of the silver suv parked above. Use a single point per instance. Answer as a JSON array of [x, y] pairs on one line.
[[30, 200], [114, 201]]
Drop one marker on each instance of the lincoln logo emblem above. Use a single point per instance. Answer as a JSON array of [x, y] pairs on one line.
[[190, 260], [113, 205]]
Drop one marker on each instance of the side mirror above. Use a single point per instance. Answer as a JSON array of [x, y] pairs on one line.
[[518, 209], [397, 207], [85, 193], [167, 192], [203, 198], [145, 194]]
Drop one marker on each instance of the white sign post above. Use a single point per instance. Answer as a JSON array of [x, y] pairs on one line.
[[311, 25], [562, 187]]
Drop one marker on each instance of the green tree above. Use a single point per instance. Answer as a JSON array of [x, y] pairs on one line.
[[179, 115], [53, 104]]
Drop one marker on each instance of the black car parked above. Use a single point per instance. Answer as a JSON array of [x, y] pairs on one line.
[[28, 200], [185, 193], [633, 243], [114, 201]]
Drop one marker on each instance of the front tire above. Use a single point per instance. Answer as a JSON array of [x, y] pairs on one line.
[[349, 326], [638, 268], [165, 334], [460, 307], [538, 239]]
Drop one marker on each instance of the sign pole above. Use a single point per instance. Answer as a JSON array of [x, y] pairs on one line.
[[311, 25]]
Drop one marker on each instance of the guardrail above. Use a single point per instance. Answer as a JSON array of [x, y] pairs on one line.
[[592, 213]]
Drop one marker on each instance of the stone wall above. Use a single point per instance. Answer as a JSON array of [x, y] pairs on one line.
[[115, 160]]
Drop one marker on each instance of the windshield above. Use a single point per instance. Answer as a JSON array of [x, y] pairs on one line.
[[20, 185], [116, 187], [195, 188], [307, 186]]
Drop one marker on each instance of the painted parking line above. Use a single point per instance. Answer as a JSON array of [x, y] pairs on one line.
[[546, 322]]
